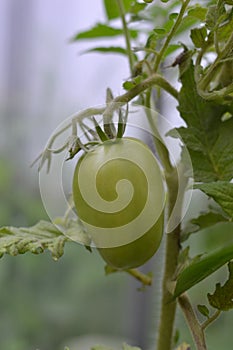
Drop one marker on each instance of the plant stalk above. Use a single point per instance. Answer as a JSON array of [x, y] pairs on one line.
[[127, 35], [171, 34], [168, 307]]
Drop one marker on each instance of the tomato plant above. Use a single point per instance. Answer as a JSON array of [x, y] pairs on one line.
[[118, 177]]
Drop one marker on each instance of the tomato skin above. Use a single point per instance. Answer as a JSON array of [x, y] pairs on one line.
[[136, 253], [123, 218]]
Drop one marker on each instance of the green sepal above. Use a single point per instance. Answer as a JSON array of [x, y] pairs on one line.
[[102, 135]]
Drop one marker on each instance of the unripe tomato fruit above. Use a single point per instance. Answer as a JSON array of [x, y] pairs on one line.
[[119, 196]]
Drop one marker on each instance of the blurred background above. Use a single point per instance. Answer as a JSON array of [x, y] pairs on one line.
[[48, 305]]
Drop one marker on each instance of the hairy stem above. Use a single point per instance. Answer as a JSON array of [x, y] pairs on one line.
[[127, 35], [168, 307], [195, 327]]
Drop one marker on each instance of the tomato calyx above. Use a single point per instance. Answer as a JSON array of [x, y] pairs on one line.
[[97, 136]]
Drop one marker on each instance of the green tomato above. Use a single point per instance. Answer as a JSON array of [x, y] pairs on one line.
[[119, 196]]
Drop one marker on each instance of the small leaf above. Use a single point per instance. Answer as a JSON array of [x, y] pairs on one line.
[[214, 14], [112, 10], [35, 239], [160, 31], [102, 31], [137, 7], [222, 298], [127, 85], [221, 192], [203, 309], [173, 16], [198, 12], [206, 265], [198, 36], [110, 49]]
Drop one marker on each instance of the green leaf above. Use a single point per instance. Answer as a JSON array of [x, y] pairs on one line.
[[222, 298], [35, 239], [198, 36], [110, 49], [171, 48], [131, 7], [214, 15], [208, 139], [207, 264], [203, 221], [198, 12], [102, 31], [112, 10], [203, 309], [221, 192]]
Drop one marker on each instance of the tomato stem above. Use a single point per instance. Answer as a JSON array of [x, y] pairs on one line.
[[168, 307]]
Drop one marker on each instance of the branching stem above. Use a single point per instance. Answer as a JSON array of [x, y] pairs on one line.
[[195, 327], [171, 34]]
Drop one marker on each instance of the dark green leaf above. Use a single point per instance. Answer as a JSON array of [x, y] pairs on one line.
[[207, 264], [221, 192], [222, 298], [102, 31], [35, 239], [203, 309], [208, 139], [198, 36]]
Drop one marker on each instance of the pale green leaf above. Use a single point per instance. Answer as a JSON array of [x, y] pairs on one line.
[[198, 12], [35, 239]]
